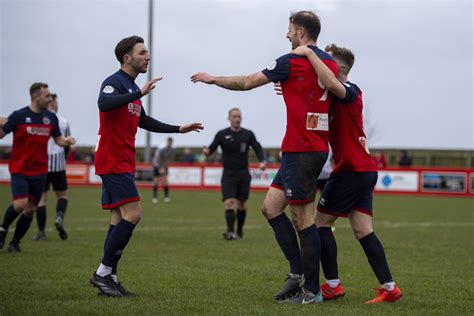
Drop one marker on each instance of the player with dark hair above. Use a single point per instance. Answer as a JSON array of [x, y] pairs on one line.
[[121, 113], [348, 192], [56, 178], [161, 159], [304, 148], [32, 126], [235, 143]]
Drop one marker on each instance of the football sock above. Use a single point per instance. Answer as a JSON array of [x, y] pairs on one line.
[[22, 227], [104, 270], [166, 189], [116, 243], [389, 286], [286, 237], [328, 253], [376, 255], [10, 216], [241, 214], [310, 253], [333, 283], [61, 207], [109, 231], [41, 217], [230, 219], [155, 191]]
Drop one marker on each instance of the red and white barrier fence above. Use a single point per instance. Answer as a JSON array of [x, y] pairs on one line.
[[203, 176]]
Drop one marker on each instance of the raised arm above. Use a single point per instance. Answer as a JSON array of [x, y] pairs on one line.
[[239, 83], [325, 74]]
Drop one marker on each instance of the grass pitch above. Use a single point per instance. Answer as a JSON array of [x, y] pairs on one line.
[[179, 263]]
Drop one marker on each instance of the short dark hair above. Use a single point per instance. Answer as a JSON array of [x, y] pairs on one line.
[[344, 55], [126, 45], [309, 21], [233, 109], [37, 86]]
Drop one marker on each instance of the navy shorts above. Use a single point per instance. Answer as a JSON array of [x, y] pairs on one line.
[[298, 175], [348, 191], [27, 186], [235, 184], [118, 189]]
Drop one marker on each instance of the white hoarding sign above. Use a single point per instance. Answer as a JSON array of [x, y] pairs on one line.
[[212, 176], [397, 181], [184, 176]]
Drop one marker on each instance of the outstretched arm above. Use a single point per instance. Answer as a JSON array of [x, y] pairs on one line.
[[152, 125], [324, 73], [64, 141], [239, 83]]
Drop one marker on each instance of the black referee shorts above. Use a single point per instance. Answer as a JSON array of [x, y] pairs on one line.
[[235, 184], [57, 180]]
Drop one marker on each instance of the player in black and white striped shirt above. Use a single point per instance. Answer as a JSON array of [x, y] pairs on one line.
[[56, 178]]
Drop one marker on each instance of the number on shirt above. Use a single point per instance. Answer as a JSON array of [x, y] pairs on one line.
[[326, 91]]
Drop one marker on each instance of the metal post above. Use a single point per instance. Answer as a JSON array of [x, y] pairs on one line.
[[147, 152]]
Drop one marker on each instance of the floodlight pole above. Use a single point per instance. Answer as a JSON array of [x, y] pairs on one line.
[[147, 152]]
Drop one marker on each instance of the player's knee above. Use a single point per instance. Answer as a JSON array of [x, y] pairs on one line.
[[269, 212], [134, 218], [19, 205], [29, 211], [360, 231]]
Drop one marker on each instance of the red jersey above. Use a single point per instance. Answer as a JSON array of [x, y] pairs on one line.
[[115, 151], [31, 132], [307, 101], [346, 133]]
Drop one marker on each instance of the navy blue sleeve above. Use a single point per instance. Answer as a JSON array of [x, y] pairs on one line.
[[54, 120], [215, 143], [352, 91], [152, 125], [278, 70], [256, 147], [10, 125], [110, 97]]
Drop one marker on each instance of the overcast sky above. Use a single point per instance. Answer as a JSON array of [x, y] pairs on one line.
[[414, 62]]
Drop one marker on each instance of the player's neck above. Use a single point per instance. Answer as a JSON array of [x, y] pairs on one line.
[[235, 129], [342, 78], [129, 71], [34, 108], [307, 43]]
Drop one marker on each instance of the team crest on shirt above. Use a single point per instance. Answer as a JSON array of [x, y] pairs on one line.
[[46, 120], [28, 119], [108, 89], [272, 65]]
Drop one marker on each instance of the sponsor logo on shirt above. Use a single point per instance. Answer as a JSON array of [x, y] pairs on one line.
[[40, 131], [134, 109]]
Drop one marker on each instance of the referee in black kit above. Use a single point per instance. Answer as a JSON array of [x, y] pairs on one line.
[[235, 182]]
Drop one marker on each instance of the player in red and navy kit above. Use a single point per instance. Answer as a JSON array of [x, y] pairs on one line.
[[348, 192], [121, 113], [32, 126], [304, 149]]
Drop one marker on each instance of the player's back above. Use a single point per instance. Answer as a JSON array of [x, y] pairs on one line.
[[346, 133]]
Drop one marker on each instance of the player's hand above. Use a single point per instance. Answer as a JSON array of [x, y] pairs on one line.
[[197, 127], [205, 151], [70, 140], [302, 50], [277, 88], [262, 166], [3, 121], [202, 77], [150, 85]]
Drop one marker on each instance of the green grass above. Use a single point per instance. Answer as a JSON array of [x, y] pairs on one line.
[[179, 263]]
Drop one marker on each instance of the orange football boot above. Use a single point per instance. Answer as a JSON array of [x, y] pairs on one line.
[[386, 296], [330, 293]]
